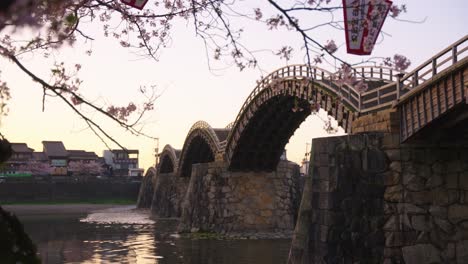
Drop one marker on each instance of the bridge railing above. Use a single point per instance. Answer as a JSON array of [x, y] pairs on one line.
[[434, 65], [204, 125], [300, 71], [374, 73]]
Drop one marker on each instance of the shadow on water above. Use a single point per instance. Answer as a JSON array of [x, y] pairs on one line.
[[64, 239]]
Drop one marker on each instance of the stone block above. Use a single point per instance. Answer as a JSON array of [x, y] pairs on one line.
[[457, 213], [392, 224], [462, 252], [452, 181], [454, 166], [445, 197], [464, 181], [398, 239], [418, 198], [407, 208], [439, 167], [438, 211], [423, 171], [413, 182], [449, 252], [391, 140], [392, 252], [435, 180], [395, 166], [320, 186], [389, 208], [444, 225], [394, 194], [325, 201], [322, 173], [394, 154], [391, 178], [421, 253], [421, 222], [323, 233]]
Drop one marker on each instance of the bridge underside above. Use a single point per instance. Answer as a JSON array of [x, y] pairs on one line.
[[449, 127], [267, 133], [167, 166], [198, 152]]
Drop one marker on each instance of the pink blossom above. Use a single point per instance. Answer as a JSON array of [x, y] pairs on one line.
[[330, 47], [401, 62]]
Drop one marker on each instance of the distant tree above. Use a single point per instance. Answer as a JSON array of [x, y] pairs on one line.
[[218, 23], [37, 168], [84, 170]]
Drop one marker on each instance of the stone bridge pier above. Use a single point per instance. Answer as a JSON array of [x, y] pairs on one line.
[[242, 203], [247, 204], [371, 199]]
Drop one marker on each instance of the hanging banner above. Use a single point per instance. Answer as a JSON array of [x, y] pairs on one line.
[[135, 3], [363, 21]]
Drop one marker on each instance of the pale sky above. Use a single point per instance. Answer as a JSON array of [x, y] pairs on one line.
[[189, 91]]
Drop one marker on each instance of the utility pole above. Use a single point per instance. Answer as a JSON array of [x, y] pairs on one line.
[[305, 160], [156, 153]]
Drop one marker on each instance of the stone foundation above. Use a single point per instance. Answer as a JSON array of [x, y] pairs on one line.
[[248, 204], [145, 195], [242, 203], [371, 200], [341, 215], [426, 203], [169, 191]]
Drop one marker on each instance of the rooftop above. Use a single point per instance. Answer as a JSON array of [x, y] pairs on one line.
[[21, 148], [54, 149], [39, 156], [81, 154]]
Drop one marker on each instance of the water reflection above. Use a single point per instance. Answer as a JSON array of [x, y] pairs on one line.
[[66, 239]]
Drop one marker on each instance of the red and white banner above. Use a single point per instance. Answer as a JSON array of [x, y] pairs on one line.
[[363, 21], [135, 3]]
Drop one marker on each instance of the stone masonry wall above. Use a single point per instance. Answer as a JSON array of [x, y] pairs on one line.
[[145, 195], [427, 201], [371, 200], [249, 204], [169, 192], [382, 121], [341, 215]]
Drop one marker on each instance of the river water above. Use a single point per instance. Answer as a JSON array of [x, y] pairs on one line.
[[126, 235]]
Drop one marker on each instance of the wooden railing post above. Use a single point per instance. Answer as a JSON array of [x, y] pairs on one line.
[[454, 54], [399, 85], [415, 79]]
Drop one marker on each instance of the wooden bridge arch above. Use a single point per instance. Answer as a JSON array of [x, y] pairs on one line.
[[201, 145], [266, 120], [168, 160]]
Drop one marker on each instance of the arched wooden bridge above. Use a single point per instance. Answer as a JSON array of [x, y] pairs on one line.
[[282, 100]]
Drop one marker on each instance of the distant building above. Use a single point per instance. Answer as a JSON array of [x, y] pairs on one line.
[[22, 154], [82, 156], [123, 162], [57, 155]]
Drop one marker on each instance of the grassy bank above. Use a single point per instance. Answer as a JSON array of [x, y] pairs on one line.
[[94, 201]]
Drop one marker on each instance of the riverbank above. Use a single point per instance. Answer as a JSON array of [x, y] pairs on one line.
[[67, 192], [62, 209]]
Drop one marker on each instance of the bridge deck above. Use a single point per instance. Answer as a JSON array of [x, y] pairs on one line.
[[437, 87]]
